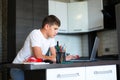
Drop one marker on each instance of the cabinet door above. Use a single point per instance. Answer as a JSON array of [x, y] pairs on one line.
[[51, 7], [59, 9], [105, 72], [78, 16], [76, 73], [61, 13], [95, 15]]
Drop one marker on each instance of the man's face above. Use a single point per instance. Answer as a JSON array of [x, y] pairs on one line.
[[52, 31]]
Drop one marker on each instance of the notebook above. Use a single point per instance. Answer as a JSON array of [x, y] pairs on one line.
[[93, 53]]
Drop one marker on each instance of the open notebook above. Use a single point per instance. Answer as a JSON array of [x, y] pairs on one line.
[[93, 53]]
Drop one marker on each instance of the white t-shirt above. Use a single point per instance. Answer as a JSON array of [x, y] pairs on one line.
[[35, 38]]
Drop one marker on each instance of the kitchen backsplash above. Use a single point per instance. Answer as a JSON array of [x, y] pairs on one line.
[[78, 43], [74, 43], [108, 42]]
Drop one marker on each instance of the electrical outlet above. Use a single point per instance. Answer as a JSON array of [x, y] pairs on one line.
[[107, 49]]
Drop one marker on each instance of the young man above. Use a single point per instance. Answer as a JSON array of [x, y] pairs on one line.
[[37, 44]]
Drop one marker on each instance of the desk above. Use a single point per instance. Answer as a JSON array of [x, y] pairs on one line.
[[38, 72]]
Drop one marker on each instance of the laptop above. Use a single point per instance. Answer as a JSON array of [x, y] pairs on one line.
[[93, 53]]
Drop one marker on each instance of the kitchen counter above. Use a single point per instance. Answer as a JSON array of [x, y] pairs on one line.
[[54, 65], [39, 71]]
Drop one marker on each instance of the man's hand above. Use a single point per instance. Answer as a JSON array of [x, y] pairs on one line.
[[69, 57]]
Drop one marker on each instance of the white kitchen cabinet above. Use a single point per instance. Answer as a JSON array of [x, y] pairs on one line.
[[103, 72], [78, 17], [95, 16], [60, 10], [100, 72], [75, 73], [51, 7], [61, 13], [85, 16]]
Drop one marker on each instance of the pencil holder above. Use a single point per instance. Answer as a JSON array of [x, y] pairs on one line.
[[60, 57]]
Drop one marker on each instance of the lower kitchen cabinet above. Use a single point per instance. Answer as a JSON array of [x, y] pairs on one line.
[[75, 73], [102, 72]]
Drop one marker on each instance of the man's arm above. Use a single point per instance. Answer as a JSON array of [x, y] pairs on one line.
[[38, 53]]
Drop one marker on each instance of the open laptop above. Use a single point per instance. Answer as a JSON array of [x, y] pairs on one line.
[[93, 53]]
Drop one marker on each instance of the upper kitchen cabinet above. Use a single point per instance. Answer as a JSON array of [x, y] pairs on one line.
[[95, 15], [76, 17], [60, 10], [85, 16]]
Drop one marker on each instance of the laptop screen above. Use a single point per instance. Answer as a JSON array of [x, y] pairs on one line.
[[93, 53], [94, 49]]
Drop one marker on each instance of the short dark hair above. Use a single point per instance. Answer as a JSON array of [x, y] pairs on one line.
[[51, 20]]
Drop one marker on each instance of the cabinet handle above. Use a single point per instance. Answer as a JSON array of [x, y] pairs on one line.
[[98, 27], [77, 29], [62, 30], [103, 72], [68, 75]]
